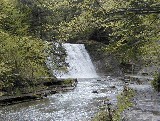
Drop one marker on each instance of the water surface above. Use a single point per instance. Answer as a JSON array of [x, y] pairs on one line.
[[79, 104]]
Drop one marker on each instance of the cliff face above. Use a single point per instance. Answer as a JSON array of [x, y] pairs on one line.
[[105, 64], [110, 65]]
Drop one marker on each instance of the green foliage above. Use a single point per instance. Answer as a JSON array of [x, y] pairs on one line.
[[101, 116], [22, 57], [131, 26], [68, 81], [124, 102], [156, 82], [13, 20]]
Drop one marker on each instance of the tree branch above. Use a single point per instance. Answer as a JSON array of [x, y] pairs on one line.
[[121, 11]]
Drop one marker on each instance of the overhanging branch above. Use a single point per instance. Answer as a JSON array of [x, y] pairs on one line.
[[148, 10]]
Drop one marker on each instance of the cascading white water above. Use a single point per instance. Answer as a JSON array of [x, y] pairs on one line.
[[80, 64]]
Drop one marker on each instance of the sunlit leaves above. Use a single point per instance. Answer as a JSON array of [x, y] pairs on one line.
[[132, 23], [77, 27], [12, 19], [19, 53]]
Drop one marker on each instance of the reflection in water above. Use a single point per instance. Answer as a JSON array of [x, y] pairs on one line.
[[79, 104]]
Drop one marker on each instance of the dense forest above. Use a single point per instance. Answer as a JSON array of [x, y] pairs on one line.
[[129, 30]]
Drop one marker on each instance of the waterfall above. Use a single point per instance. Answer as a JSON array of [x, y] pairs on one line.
[[80, 64]]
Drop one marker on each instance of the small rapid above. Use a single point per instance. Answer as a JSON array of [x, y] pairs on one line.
[[80, 104]]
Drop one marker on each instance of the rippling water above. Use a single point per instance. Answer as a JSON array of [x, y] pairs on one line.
[[79, 104]]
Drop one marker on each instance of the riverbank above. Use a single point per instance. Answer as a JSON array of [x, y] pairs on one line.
[[146, 104], [138, 102], [80, 104], [112, 112], [59, 85]]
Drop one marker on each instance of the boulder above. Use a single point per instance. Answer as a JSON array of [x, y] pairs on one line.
[[98, 80], [113, 87], [95, 91]]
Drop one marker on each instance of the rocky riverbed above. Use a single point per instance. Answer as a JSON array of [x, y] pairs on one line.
[[146, 102], [80, 104]]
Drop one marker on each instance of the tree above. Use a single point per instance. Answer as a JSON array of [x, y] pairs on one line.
[[130, 26], [22, 57]]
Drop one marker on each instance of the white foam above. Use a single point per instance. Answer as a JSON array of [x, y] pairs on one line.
[[80, 64]]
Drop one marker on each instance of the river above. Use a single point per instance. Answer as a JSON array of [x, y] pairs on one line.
[[80, 104]]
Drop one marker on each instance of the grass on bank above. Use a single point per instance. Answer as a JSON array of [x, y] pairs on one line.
[[124, 102]]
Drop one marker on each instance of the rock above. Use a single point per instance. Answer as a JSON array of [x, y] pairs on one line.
[[144, 74], [126, 79], [53, 92], [45, 95], [95, 91], [121, 78], [100, 80], [109, 78], [126, 82], [132, 83], [112, 87]]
